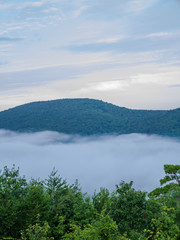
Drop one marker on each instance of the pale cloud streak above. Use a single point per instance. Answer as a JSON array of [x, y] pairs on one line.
[[160, 34], [113, 39], [52, 9], [169, 34], [164, 78], [110, 85], [79, 11], [32, 4], [139, 5]]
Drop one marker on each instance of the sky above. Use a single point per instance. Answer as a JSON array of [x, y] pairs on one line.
[[95, 162], [126, 52]]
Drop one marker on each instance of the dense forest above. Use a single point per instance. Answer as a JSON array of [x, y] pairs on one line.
[[89, 117], [53, 209]]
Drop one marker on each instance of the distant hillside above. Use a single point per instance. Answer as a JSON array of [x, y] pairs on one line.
[[88, 117]]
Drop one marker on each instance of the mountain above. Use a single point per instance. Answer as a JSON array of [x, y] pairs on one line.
[[88, 117]]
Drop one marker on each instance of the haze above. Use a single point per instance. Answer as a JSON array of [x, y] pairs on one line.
[[95, 161]]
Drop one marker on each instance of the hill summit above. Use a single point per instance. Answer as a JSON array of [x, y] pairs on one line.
[[85, 116]]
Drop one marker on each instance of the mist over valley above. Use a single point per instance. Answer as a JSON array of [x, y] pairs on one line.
[[101, 161]]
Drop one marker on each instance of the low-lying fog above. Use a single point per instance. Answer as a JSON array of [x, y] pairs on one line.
[[95, 161]]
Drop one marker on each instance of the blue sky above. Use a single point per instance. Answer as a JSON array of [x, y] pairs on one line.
[[126, 52]]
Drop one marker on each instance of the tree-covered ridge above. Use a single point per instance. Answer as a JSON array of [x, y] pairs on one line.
[[52, 210], [88, 117]]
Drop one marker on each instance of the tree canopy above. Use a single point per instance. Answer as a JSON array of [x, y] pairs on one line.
[[89, 117], [53, 209]]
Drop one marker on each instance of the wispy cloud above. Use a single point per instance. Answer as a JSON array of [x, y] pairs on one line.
[[106, 86], [117, 44], [6, 6], [164, 78], [159, 34], [79, 11], [113, 39], [139, 5], [52, 9], [170, 34], [5, 47], [13, 28], [32, 4]]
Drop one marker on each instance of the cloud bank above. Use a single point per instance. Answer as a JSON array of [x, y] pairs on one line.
[[95, 161]]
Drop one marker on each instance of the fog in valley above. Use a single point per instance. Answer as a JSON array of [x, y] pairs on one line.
[[95, 161]]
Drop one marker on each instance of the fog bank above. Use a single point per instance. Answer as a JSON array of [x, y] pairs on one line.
[[95, 161]]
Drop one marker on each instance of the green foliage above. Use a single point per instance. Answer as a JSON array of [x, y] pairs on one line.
[[164, 226], [12, 190], [105, 227], [172, 173], [169, 195], [101, 228], [67, 205], [101, 200], [35, 202], [88, 117], [129, 208], [53, 209], [36, 232], [57, 190]]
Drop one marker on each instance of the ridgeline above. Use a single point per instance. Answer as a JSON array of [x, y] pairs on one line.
[[89, 117]]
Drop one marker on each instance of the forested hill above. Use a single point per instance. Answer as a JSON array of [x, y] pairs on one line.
[[88, 117]]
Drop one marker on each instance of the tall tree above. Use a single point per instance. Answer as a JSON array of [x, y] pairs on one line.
[[12, 189]]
